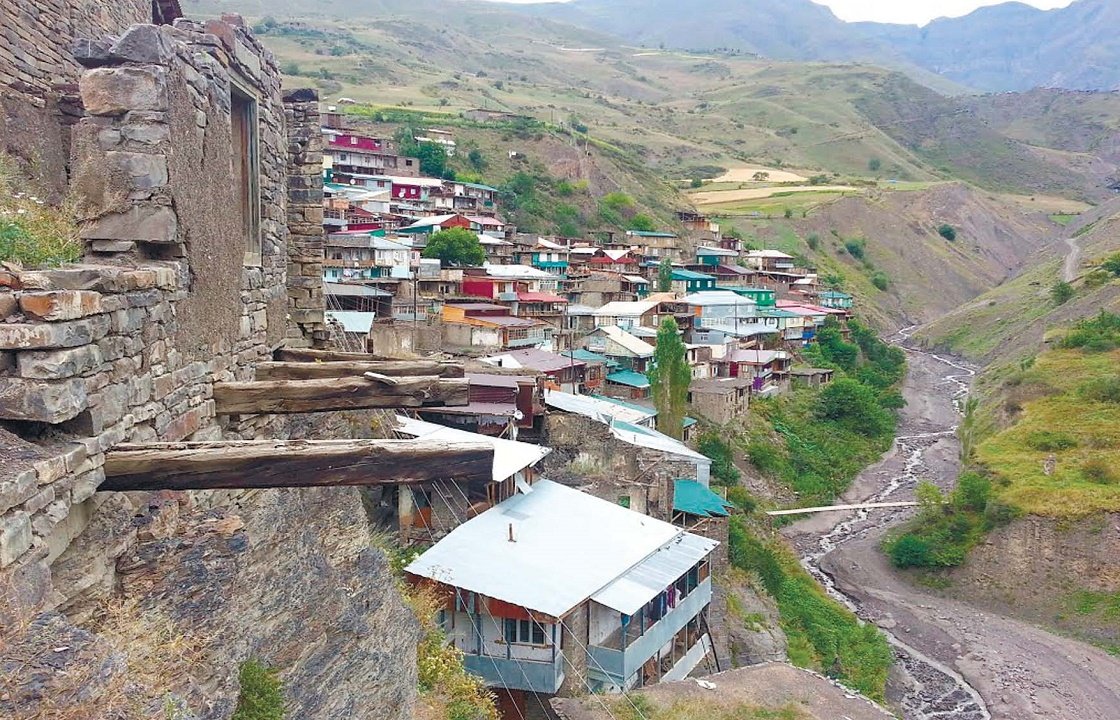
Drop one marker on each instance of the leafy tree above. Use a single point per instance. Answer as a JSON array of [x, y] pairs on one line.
[[670, 378], [972, 492], [454, 247], [911, 551], [643, 223], [723, 458], [261, 696], [618, 201], [880, 280], [813, 241], [477, 161], [856, 248], [1112, 264], [874, 164], [697, 182], [948, 232], [1061, 292], [665, 275], [761, 176], [853, 404], [788, 213], [834, 349]]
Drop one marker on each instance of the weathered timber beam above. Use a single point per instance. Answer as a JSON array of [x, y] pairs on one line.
[[308, 355], [354, 368], [325, 394], [294, 463]]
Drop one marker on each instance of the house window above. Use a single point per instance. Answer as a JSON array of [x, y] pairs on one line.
[[245, 157], [524, 632]]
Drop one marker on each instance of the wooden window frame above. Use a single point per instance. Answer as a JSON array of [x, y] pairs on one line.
[[245, 156]]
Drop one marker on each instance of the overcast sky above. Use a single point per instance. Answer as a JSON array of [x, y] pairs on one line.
[[918, 12]]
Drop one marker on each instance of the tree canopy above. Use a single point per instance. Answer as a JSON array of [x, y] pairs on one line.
[[670, 378], [455, 246], [665, 275]]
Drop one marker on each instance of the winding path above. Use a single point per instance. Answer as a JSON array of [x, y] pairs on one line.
[[955, 662], [1073, 259]]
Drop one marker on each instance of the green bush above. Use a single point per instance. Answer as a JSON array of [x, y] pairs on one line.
[[948, 232], [911, 551], [1100, 333], [1112, 265], [1104, 390], [454, 247], [720, 453], [696, 182], [880, 280], [972, 492], [851, 403], [262, 694], [874, 164], [765, 457], [856, 248], [1051, 440], [1061, 292], [813, 241], [643, 223], [1098, 471]]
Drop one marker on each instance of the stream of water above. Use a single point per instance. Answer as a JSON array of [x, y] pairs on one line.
[[933, 691]]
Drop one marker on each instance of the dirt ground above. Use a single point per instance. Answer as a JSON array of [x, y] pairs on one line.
[[713, 197], [1021, 672], [746, 174]]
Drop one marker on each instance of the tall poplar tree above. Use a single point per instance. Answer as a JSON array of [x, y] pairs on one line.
[[670, 378]]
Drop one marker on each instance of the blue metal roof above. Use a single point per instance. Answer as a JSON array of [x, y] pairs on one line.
[[629, 378]]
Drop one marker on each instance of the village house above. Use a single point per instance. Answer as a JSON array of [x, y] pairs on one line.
[[443, 138], [614, 343], [686, 282], [361, 256], [500, 405], [537, 607], [654, 246], [771, 261], [499, 251], [435, 223], [721, 400], [491, 327], [463, 197], [767, 369], [811, 377], [561, 372], [629, 314], [422, 513], [351, 154], [835, 300], [620, 260], [710, 258], [698, 509]]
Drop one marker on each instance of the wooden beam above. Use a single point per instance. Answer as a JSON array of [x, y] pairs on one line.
[[354, 393], [308, 355], [250, 464], [355, 368]]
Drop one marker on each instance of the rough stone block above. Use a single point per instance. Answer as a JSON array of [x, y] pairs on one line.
[[60, 304], [92, 53], [146, 170], [58, 364], [9, 305], [40, 500], [28, 336], [115, 91], [22, 399], [112, 246], [17, 490], [143, 44], [86, 485], [15, 537], [143, 223], [52, 469]]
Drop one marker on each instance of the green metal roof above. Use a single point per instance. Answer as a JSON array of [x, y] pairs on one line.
[[479, 186], [690, 275], [629, 378], [689, 422], [586, 356], [647, 233], [833, 294], [777, 312], [693, 498]]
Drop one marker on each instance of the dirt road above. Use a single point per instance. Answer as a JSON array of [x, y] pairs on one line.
[[955, 661], [1073, 260], [714, 197]]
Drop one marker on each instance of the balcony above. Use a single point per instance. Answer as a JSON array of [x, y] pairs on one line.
[[615, 666], [528, 675]]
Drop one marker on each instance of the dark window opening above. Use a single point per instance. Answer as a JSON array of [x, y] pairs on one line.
[[245, 157]]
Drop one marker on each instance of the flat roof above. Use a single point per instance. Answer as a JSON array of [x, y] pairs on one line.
[[510, 456], [598, 408]]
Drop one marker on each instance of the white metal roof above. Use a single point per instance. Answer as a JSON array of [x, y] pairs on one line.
[[516, 272], [510, 456], [596, 408], [491, 240], [769, 254], [624, 308], [717, 297], [637, 346], [647, 579], [567, 547], [353, 321], [636, 279], [650, 438], [616, 254]]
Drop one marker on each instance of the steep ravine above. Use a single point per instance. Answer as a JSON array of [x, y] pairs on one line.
[[955, 661]]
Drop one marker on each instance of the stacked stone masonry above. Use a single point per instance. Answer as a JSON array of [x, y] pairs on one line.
[[127, 347]]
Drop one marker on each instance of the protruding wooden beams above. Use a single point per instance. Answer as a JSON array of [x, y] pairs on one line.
[[306, 355], [294, 463], [338, 393], [354, 368]]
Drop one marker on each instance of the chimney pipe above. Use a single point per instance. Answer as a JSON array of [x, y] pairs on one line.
[[511, 533]]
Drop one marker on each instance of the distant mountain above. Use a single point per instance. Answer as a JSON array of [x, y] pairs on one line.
[[999, 48], [1015, 46]]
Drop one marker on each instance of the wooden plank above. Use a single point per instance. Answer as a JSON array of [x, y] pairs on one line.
[[355, 393], [308, 355], [294, 463], [355, 368]]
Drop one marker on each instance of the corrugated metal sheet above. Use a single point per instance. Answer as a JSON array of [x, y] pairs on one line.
[[647, 579], [510, 456], [567, 547]]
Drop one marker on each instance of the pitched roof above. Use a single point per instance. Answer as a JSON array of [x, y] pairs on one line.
[[625, 308], [778, 255], [694, 498], [533, 359], [634, 345], [558, 559], [691, 275], [722, 252], [757, 357], [510, 456], [540, 297], [598, 408]]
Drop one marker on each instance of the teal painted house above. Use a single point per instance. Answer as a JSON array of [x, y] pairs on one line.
[[688, 282], [836, 300], [763, 297]]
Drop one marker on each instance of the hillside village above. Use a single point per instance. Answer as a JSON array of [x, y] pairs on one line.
[[293, 419]]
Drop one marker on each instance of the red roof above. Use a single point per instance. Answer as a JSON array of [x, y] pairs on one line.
[[540, 297], [624, 260]]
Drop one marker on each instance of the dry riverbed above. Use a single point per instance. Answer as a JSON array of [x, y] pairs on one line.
[[955, 661]]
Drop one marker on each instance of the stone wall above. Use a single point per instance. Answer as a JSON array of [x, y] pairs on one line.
[[127, 348]]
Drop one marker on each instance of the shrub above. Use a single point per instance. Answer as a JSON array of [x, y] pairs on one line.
[[788, 213], [696, 182], [813, 241], [880, 280], [1112, 265], [455, 246], [765, 457], [1061, 292], [261, 696], [1098, 471], [643, 223], [972, 492], [856, 248], [1051, 441], [948, 232], [719, 452], [741, 498], [819, 180], [874, 164], [1105, 390], [910, 551], [852, 403]]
